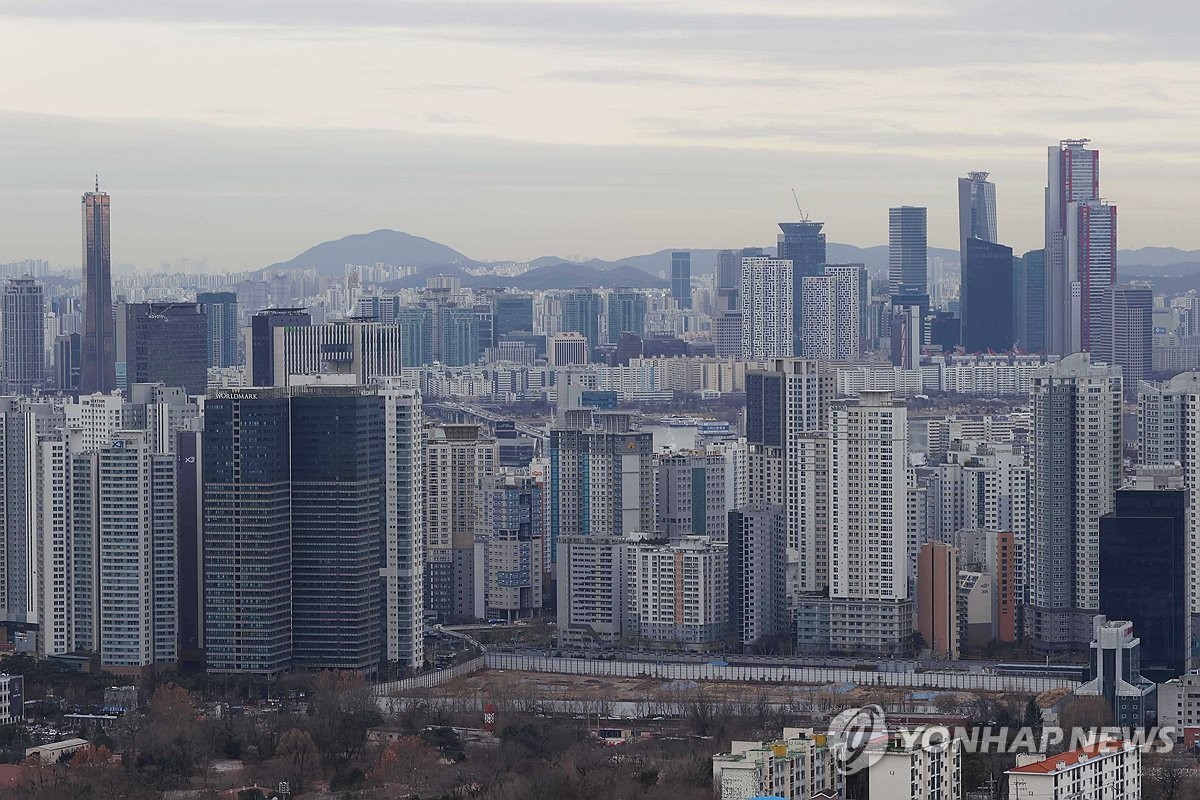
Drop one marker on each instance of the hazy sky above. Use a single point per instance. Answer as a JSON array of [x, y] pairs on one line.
[[244, 132]]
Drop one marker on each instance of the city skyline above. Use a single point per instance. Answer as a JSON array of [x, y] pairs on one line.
[[209, 126]]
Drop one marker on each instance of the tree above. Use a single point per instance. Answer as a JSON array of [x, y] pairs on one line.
[[91, 756], [298, 755], [1167, 777], [341, 711], [407, 762], [1084, 712]]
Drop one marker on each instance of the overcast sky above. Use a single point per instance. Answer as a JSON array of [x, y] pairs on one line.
[[244, 132]]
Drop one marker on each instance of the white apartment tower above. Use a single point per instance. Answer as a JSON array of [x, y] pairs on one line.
[[1077, 469], [458, 464], [767, 308], [831, 316], [678, 592], [868, 499], [404, 542], [869, 606]]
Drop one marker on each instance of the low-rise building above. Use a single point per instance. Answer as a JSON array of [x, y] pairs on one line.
[[1107, 770], [12, 699], [799, 766], [918, 765]]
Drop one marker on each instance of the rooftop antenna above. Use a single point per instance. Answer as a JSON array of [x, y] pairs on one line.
[[97, 182], [803, 216]]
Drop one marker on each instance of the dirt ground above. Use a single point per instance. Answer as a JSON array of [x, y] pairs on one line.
[[516, 686]]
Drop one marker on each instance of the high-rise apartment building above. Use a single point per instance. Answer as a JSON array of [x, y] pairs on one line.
[[976, 210], [757, 574], [691, 494], [908, 252], [221, 316], [23, 422], [167, 343], [767, 297], [1169, 437], [832, 315], [868, 607], [404, 524], [986, 294], [99, 354], [681, 279], [627, 313], [803, 244], [416, 336], [459, 462], [131, 527], [601, 477], [1073, 178], [937, 598], [787, 462], [581, 314], [459, 338], [1077, 468], [854, 299], [1124, 328], [677, 592], [23, 332], [508, 548]]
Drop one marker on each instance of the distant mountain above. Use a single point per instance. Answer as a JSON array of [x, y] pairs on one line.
[[385, 246], [1162, 264], [561, 275], [704, 261], [1151, 257]]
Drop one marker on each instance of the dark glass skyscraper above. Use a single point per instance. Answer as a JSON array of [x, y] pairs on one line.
[[260, 354], [908, 251], [581, 313], [99, 368], [337, 528], [1030, 302], [1143, 574], [681, 279], [511, 313], [460, 336], [221, 311], [416, 336], [803, 244], [987, 297], [976, 210], [167, 343], [626, 314], [248, 531]]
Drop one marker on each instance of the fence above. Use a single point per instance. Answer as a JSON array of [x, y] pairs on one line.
[[965, 681], [430, 679], [735, 673]]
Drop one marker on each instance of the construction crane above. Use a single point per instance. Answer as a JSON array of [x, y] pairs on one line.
[[803, 216]]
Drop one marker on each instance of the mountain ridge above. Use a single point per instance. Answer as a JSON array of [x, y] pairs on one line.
[[394, 247]]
